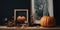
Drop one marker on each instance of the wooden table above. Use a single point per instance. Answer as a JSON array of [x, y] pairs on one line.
[[29, 28]]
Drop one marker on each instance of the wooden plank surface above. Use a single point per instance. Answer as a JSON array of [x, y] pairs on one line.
[[29, 28]]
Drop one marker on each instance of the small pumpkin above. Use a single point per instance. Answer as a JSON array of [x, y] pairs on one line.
[[47, 21], [21, 18]]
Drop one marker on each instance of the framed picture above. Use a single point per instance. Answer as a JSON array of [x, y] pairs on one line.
[[21, 12], [41, 8]]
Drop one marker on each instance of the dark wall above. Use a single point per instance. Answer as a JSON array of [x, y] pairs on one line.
[[57, 11], [7, 7]]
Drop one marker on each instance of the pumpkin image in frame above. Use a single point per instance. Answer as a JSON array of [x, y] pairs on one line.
[[47, 21], [21, 18]]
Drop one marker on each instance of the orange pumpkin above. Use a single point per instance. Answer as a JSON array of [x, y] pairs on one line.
[[47, 21], [21, 18]]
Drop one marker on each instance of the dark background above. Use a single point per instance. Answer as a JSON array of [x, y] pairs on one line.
[[7, 8], [57, 11]]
